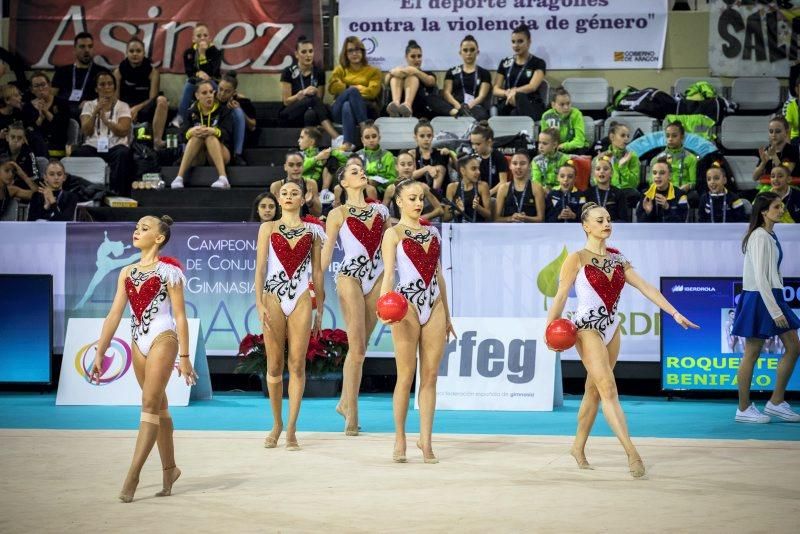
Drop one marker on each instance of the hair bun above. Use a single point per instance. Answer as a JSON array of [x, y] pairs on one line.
[[413, 43], [166, 219]]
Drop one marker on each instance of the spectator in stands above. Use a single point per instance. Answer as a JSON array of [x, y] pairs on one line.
[[406, 167], [139, 86], [51, 202], [319, 165], [469, 197], [356, 86], [303, 90], [603, 193], [201, 62], [430, 165], [779, 180], [11, 110], [494, 167], [779, 152], [518, 78], [792, 114], [682, 162], [663, 202], [545, 166], [13, 188], [379, 164], [520, 199], [624, 164], [564, 203], [208, 133], [244, 114], [47, 115], [265, 208], [294, 173], [567, 120], [20, 154], [340, 195], [76, 83], [718, 204], [467, 87], [106, 126], [410, 85]]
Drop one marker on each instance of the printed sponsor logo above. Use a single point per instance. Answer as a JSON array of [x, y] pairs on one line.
[[635, 56], [693, 289], [116, 361]]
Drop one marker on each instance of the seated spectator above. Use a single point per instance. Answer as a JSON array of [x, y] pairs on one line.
[[520, 199], [208, 133], [718, 204], [568, 121], [430, 165], [431, 208], [379, 164], [11, 110], [564, 203], [106, 126], [340, 195], [624, 165], [467, 87], [493, 164], [265, 208], [51, 202], [76, 83], [779, 179], [469, 197], [518, 78], [20, 153], [294, 173], [243, 111], [663, 202], [315, 161], [682, 162], [546, 165], [603, 193], [139, 86], [356, 86], [303, 91], [410, 86], [779, 152], [47, 115], [792, 114], [9, 191], [201, 62]]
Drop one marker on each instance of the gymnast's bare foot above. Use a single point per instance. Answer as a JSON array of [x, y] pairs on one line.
[[580, 458], [171, 474]]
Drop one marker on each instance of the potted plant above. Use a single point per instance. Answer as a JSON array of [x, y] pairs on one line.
[[324, 362]]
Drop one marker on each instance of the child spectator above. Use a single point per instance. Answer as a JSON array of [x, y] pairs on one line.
[[11, 110], [603, 193], [467, 87], [139, 86], [242, 110], [663, 202], [493, 164], [779, 179], [355, 85], [518, 78], [201, 62], [25, 165], [10, 191], [564, 203], [779, 152], [47, 116], [106, 126], [431, 165], [682, 162], [293, 166], [208, 133], [567, 120], [470, 197], [431, 208], [792, 115], [624, 164], [546, 165], [265, 208], [303, 91], [718, 204], [379, 164], [411, 85], [76, 83], [51, 202], [315, 160], [520, 199]]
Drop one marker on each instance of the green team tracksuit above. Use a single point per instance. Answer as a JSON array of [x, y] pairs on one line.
[[792, 114], [544, 169], [570, 128], [625, 176], [312, 167], [379, 162], [683, 166]]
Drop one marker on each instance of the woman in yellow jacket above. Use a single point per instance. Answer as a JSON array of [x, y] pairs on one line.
[[356, 86]]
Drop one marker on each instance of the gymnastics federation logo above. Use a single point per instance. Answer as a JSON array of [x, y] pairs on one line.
[[116, 361], [370, 44]]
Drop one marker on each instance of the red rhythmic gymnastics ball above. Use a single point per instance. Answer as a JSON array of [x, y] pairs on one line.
[[392, 306], [561, 334]]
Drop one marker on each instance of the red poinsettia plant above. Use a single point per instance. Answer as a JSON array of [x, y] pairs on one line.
[[325, 354]]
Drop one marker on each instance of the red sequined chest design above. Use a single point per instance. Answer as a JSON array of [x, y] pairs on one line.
[[369, 237], [291, 257], [142, 297], [607, 289], [424, 262]]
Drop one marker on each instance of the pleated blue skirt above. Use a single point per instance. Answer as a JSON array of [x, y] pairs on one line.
[[753, 320]]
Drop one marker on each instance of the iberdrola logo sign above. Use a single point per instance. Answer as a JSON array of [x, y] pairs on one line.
[[547, 280]]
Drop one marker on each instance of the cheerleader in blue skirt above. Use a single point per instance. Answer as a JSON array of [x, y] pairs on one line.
[[762, 313]]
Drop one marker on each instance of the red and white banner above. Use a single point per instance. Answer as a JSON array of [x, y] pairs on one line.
[[254, 36]]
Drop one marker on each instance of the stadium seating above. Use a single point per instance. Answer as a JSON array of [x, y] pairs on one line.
[[588, 94]]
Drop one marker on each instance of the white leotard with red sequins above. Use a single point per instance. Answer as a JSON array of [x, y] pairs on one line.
[[289, 266], [151, 310], [362, 244], [598, 294], [417, 269]]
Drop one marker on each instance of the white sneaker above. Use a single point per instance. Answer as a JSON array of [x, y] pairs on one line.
[[177, 121], [221, 183], [336, 143], [782, 411], [751, 415], [177, 183]]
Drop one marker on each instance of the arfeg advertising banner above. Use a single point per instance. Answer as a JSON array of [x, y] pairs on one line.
[[254, 36], [708, 358], [567, 34], [219, 263]]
